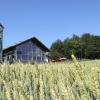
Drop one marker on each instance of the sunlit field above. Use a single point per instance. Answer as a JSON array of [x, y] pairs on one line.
[[70, 80]]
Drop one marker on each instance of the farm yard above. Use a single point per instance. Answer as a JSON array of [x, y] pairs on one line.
[[70, 80]]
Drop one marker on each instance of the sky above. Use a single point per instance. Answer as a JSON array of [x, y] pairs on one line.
[[48, 20]]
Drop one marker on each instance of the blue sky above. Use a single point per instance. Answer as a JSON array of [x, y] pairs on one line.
[[48, 20]]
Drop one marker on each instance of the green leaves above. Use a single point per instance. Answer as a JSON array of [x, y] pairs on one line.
[[86, 46]]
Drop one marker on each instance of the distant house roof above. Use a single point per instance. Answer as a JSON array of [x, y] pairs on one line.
[[33, 39]]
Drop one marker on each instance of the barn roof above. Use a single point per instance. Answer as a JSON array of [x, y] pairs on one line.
[[33, 39]]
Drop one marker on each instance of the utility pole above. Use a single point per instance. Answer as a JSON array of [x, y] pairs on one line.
[[1, 42]]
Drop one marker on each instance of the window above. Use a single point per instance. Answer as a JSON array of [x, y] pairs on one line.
[[34, 58], [38, 58], [19, 57], [24, 57], [30, 57], [19, 52], [29, 51]]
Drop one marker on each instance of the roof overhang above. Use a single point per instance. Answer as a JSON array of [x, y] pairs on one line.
[[33, 39]]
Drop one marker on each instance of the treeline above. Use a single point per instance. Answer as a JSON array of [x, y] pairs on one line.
[[86, 46]]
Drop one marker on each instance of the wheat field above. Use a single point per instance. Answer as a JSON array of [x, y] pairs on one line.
[[70, 80]]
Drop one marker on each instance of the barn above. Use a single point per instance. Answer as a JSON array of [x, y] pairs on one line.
[[30, 50]]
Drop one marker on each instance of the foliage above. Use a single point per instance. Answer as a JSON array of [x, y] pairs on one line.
[[86, 46], [56, 49], [54, 81]]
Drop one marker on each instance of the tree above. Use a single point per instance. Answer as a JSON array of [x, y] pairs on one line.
[[86, 46], [56, 49]]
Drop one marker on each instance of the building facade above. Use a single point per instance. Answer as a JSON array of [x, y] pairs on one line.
[[31, 50]]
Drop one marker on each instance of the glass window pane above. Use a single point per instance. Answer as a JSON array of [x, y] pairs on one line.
[[24, 57]]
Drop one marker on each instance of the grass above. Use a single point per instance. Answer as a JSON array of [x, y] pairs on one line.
[[54, 81]]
